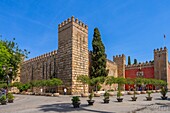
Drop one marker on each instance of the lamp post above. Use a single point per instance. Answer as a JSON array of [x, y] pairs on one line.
[[7, 72]]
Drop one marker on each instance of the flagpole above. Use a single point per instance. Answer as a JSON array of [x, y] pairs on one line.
[[164, 40]]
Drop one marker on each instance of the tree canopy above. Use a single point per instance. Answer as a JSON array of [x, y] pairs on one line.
[[98, 56], [129, 61], [10, 56]]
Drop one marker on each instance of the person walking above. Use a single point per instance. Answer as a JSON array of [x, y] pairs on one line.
[[65, 91]]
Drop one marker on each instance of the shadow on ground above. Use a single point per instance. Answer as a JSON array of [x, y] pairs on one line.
[[67, 107]]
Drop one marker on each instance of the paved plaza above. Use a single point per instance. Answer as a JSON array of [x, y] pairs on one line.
[[62, 104]]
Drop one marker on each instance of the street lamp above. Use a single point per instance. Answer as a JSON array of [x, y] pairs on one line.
[[7, 72]]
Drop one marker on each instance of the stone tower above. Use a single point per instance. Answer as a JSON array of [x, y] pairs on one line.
[[161, 64], [72, 57], [120, 61]]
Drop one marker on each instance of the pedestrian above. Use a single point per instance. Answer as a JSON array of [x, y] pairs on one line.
[[65, 91]]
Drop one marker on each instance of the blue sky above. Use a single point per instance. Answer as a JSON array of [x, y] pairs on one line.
[[130, 27]]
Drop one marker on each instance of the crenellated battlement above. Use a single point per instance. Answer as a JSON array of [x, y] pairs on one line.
[[70, 20], [119, 56], [41, 57], [143, 64], [159, 50]]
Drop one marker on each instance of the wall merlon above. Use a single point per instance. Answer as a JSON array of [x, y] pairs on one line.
[[143, 64], [119, 56], [158, 50], [38, 58], [80, 23]]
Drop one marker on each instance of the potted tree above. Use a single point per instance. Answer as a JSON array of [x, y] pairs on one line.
[[164, 92], [76, 101], [90, 101], [134, 98], [84, 79], [149, 98], [109, 81], [129, 82], [106, 97], [119, 94], [10, 98], [3, 99], [136, 82], [96, 82], [120, 81], [56, 82]]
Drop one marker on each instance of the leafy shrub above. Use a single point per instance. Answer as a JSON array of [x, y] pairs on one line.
[[10, 96], [3, 98], [91, 96], [106, 95], [75, 99]]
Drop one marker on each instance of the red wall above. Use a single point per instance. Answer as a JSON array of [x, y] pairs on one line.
[[131, 73], [169, 76]]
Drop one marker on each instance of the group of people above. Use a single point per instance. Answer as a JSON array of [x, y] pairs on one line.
[[3, 91]]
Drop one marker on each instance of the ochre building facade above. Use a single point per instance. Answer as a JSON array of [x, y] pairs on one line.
[[73, 59]]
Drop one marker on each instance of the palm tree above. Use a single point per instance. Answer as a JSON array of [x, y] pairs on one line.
[[110, 80], [84, 79], [129, 82], [96, 81], [120, 81]]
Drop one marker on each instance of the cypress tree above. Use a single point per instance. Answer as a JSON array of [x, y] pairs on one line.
[[98, 67], [129, 61], [135, 61]]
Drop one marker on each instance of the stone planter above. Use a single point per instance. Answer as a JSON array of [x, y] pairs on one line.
[[23, 93], [97, 94], [111, 93], [123, 93], [37, 94], [130, 92], [90, 102], [153, 91], [84, 95], [158, 91], [143, 92], [49, 94], [56, 94], [138, 92]]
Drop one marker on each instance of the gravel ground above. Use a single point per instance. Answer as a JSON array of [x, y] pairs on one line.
[[62, 104]]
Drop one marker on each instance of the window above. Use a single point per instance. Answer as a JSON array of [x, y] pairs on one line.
[[139, 74]]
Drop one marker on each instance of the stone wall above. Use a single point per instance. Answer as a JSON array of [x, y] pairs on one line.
[[120, 61], [169, 75], [72, 53], [112, 72], [161, 64], [41, 67]]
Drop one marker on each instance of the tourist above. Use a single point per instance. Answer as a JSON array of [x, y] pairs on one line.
[[65, 91]]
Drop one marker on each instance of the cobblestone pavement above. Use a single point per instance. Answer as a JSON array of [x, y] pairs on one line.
[[62, 104]]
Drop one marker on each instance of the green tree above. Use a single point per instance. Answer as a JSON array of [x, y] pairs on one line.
[[110, 80], [10, 56], [129, 82], [129, 61], [98, 67], [135, 61], [120, 81], [84, 79], [95, 82]]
